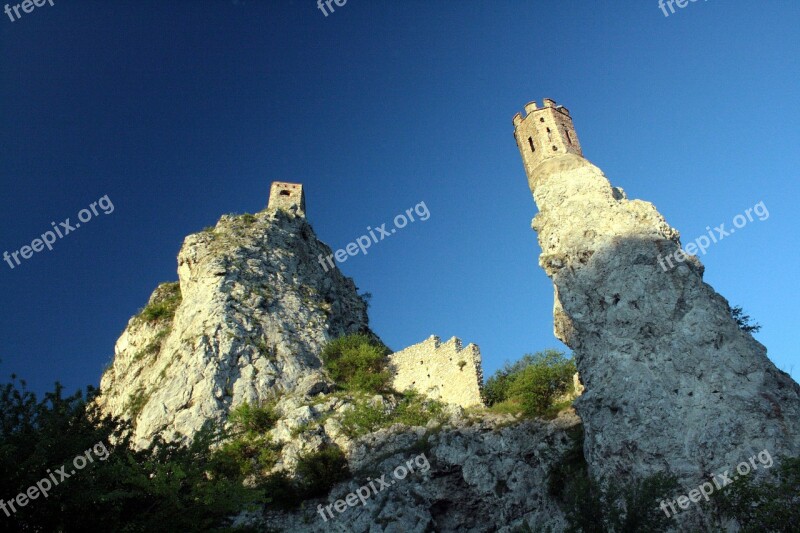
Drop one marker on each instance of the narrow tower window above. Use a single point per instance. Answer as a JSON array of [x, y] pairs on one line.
[[569, 139], [530, 141]]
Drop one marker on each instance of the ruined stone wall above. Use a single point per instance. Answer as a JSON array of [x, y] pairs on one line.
[[442, 371]]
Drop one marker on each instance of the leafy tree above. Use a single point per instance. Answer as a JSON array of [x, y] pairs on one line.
[[744, 321], [357, 362], [169, 486], [532, 383]]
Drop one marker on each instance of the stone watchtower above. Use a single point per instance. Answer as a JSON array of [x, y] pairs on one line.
[[287, 196], [545, 133]]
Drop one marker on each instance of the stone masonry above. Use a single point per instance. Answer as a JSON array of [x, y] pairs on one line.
[[447, 372], [288, 197]]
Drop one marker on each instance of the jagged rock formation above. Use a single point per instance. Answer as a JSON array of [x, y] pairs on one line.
[[246, 323], [248, 319], [672, 383], [486, 475]]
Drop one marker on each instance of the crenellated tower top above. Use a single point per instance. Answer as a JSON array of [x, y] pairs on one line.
[[545, 132]]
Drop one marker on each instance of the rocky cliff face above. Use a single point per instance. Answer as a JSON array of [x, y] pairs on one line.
[[672, 383], [246, 322], [485, 474]]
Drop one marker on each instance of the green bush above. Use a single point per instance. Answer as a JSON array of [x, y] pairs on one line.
[[249, 451], [154, 346], [768, 504], [246, 456], [136, 402], [164, 305], [412, 409], [744, 321], [253, 420], [630, 508], [318, 472], [169, 486], [364, 418], [357, 363], [532, 383]]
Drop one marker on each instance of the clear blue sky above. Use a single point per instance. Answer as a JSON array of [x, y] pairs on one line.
[[181, 111]]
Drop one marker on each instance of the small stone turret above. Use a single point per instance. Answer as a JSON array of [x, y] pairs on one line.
[[287, 196], [544, 133]]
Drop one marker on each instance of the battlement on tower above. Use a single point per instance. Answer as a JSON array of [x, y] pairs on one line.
[[287, 196], [446, 371], [545, 132]]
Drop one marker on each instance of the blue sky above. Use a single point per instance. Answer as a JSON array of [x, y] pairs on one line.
[[181, 111]]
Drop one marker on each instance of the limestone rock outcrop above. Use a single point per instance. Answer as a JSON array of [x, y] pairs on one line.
[[489, 475], [246, 321], [672, 383]]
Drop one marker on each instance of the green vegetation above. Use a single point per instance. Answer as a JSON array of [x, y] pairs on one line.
[[318, 472], [248, 218], [247, 456], [357, 363], [154, 346], [252, 421], [744, 321], [412, 409], [164, 305], [250, 453], [767, 504], [631, 508], [366, 297], [164, 488], [531, 385], [136, 402]]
